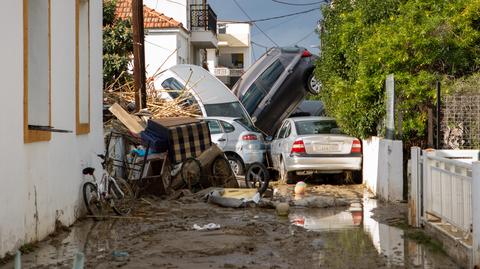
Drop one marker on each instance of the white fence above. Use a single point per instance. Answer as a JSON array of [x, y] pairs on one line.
[[445, 185]]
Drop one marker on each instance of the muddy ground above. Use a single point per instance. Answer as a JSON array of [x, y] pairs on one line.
[[160, 234]]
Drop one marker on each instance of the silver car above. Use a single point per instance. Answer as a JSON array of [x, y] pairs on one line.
[[307, 145], [242, 143]]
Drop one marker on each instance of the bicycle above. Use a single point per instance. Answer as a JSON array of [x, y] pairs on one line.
[[115, 192]]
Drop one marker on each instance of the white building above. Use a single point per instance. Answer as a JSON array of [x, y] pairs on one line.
[[234, 51], [176, 32], [51, 75]]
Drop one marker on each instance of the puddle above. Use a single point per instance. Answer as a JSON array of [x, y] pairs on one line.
[[353, 229]]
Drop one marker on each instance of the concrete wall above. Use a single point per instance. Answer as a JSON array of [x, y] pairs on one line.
[[226, 51], [383, 168], [160, 51], [41, 182]]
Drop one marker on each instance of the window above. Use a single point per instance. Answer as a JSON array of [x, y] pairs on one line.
[[214, 127], [282, 130], [252, 97], [37, 68], [174, 87], [227, 127], [233, 110], [271, 75], [287, 130], [222, 28], [82, 55], [316, 127], [237, 60]]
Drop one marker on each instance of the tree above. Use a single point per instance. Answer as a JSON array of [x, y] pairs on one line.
[[420, 41], [117, 45]]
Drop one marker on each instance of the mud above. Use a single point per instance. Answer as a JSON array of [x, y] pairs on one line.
[[160, 235]]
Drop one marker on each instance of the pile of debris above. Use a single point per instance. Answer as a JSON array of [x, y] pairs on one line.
[[164, 147]]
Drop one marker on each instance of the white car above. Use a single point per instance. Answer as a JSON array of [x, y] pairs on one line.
[[243, 145], [213, 97], [307, 145]]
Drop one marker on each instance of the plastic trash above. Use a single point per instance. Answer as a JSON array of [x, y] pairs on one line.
[[210, 226]]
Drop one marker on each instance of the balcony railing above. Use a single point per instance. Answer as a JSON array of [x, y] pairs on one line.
[[228, 72], [202, 17]]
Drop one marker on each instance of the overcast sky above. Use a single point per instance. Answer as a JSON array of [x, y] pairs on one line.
[[285, 32]]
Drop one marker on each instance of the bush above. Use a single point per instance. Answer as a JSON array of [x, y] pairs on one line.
[[420, 41]]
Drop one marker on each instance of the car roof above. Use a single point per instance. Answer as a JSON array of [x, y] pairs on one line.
[[310, 118], [207, 87], [228, 119]]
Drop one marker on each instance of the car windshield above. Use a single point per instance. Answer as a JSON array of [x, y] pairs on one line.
[[233, 110], [252, 98], [316, 127]]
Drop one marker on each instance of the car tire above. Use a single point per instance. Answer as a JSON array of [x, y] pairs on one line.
[[237, 165], [312, 84]]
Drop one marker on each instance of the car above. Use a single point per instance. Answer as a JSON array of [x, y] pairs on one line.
[[273, 87], [198, 86], [309, 108], [309, 145], [242, 144]]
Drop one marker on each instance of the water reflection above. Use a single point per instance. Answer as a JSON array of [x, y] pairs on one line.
[[354, 230]]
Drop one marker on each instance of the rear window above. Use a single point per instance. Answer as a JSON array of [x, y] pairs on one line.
[[316, 127], [233, 110], [252, 97], [174, 87]]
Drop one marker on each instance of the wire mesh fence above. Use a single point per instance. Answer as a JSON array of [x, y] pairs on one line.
[[460, 121]]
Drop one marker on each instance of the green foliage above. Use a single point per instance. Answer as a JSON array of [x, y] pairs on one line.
[[420, 41], [117, 44]]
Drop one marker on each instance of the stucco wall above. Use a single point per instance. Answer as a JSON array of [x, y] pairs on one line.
[[383, 167], [158, 47], [177, 9], [41, 182]]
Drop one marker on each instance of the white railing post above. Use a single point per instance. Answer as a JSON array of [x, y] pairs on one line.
[[414, 199], [476, 213]]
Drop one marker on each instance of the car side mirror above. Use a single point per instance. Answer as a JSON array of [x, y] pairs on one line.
[[269, 138]]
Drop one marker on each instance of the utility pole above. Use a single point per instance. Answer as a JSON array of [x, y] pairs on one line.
[[139, 55]]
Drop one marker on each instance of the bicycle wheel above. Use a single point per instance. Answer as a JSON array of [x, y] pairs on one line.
[[122, 196], [191, 172], [92, 201], [257, 177]]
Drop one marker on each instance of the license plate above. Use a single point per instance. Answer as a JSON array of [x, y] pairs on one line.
[[326, 148]]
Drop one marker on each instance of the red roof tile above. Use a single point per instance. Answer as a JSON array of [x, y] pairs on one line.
[[151, 17]]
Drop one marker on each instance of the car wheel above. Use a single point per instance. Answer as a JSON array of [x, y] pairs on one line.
[[236, 164], [313, 85]]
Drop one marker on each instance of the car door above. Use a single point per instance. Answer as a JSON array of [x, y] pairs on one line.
[[217, 134], [276, 145], [285, 141], [231, 134]]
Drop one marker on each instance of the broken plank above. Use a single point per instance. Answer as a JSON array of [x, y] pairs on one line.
[[128, 120]]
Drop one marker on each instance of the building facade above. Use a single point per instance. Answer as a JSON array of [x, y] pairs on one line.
[[51, 81]]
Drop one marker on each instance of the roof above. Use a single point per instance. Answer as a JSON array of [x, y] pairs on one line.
[[151, 17]]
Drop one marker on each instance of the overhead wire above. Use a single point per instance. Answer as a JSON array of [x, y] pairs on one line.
[[303, 38], [283, 16], [256, 25], [299, 4]]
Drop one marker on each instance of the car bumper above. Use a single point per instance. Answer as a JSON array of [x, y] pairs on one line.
[[296, 163], [252, 156]]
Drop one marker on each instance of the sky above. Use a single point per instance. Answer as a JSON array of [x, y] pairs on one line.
[[298, 29]]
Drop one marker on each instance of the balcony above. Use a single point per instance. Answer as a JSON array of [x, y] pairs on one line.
[[228, 72], [203, 25]]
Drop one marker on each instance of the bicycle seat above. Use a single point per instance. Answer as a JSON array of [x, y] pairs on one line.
[[88, 171]]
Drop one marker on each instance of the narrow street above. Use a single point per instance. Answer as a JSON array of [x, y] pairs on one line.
[[159, 234]]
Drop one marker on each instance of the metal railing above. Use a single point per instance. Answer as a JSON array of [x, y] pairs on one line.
[[202, 17], [442, 182], [228, 72]]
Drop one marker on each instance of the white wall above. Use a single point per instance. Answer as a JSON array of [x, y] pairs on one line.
[[240, 31], [383, 167], [247, 55], [177, 9], [41, 181], [160, 51]]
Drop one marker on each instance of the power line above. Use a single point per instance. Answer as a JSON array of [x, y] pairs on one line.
[[244, 12], [303, 38], [299, 4], [277, 25], [283, 16], [260, 45]]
